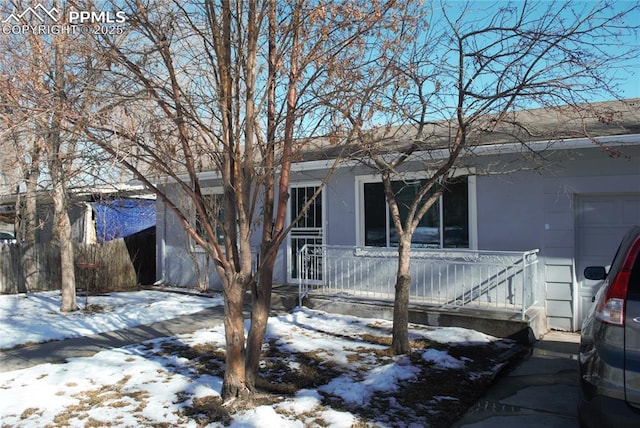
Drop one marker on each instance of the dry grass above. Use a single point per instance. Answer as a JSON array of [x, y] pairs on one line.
[[434, 398], [117, 395], [29, 412]]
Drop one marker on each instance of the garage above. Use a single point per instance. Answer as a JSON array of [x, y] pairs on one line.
[[601, 222]]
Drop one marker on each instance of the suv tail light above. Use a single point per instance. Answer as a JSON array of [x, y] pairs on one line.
[[611, 305]]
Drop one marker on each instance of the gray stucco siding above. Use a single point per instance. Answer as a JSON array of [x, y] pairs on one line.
[[519, 211], [559, 294], [341, 209], [584, 172], [177, 255], [557, 273], [509, 211], [526, 210]]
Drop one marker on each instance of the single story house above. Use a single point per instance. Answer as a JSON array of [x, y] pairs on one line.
[[572, 208]]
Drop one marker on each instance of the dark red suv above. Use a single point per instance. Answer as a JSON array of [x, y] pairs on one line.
[[610, 343]]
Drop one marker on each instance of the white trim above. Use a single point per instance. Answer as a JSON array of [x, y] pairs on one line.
[[323, 201], [205, 191], [490, 149], [561, 144], [472, 194], [360, 181], [441, 217], [319, 165], [89, 227], [472, 203], [487, 149], [214, 190]]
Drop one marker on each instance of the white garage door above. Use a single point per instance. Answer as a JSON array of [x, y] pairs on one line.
[[601, 223]]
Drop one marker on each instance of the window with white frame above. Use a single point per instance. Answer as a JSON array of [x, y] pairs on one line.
[[445, 225], [215, 209]]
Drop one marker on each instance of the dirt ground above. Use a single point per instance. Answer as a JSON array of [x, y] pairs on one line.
[[435, 398]]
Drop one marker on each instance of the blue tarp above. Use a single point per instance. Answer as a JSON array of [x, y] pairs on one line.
[[120, 218]]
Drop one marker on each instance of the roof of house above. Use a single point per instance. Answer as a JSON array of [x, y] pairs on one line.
[[80, 194], [590, 121]]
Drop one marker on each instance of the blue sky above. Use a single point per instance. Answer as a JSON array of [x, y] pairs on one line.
[[606, 50], [478, 13]]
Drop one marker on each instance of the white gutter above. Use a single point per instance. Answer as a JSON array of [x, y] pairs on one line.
[[492, 149], [563, 144], [488, 149]]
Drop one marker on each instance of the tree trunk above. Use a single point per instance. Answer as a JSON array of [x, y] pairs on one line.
[[261, 305], [27, 232], [400, 339], [261, 291], [62, 233], [234, 383]]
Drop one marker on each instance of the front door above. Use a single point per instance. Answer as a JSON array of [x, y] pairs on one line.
[[307, 230]]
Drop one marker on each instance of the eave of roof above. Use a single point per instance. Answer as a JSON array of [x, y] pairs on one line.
[[610, 123], [87, 194]]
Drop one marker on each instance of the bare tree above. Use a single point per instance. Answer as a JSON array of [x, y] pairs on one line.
[[45, 77], [21, 168], [230, 87], [464, 80], [21, 146]]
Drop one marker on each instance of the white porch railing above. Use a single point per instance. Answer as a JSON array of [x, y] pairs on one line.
[[492, 280]]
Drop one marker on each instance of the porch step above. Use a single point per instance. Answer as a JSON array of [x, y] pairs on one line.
[[495, 323], [284, 297]]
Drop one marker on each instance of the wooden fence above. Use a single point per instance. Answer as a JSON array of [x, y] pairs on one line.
[[101, 268]]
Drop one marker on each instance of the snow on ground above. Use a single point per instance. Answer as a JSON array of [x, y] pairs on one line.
[[141, 385], [36, 317]]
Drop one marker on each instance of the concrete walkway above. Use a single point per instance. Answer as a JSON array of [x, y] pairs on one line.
[[541, 391], [59, 351]]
